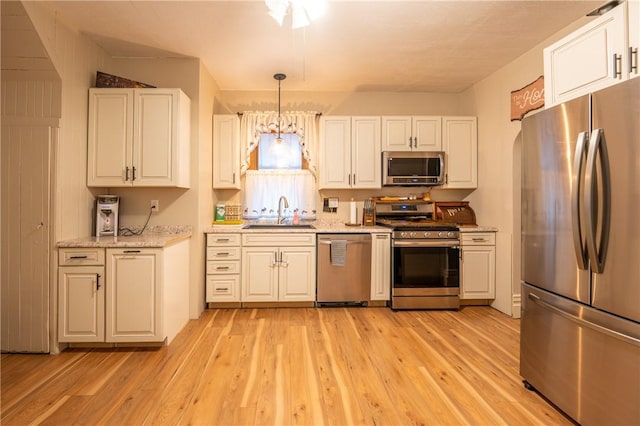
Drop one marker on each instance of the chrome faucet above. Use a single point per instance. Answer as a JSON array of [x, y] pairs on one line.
[[286, 206]]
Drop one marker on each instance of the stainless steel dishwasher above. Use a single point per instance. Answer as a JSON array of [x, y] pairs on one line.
[[344, 269]]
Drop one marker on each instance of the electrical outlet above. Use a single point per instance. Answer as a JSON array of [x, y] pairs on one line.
[[155, 206]]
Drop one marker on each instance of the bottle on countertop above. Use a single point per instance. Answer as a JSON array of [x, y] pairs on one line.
[[296, 217]]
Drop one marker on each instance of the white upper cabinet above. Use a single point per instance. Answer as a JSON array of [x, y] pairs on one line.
[[634, 36], [411, 133], [593, 57], [460, 144], [350, 154], [226, 152], [138, 137]]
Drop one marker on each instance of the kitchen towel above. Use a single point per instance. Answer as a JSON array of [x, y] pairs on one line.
[[338, 252]]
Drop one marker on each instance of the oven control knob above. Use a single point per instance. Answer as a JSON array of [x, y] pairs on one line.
[[449, 234], [440, 234], [427, 234], [412, 234], [403, 235]]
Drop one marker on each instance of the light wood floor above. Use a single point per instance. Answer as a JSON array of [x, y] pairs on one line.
[[332, 366]]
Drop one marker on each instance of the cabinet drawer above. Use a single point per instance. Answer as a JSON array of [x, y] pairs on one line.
[[214, 240], [80, 256], [279, 239], [223, 253], [478, 239], [223, 288], [217, 267]]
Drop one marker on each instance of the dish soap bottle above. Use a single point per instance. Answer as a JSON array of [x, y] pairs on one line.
[[296, 217]]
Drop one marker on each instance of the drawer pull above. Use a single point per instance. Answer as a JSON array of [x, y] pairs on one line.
[[223, 254], [221, 289], [222, 240], [222, 268], [79, 257], [132, 251], [479, 240]]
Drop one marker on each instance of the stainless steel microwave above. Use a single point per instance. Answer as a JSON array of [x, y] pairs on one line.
[[412, 168]]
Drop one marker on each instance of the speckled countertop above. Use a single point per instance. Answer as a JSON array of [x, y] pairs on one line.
[[476, 228], [326, 226], [158, 236], [319, 226]]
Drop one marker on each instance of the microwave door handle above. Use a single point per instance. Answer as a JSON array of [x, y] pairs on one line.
[[597, 252], [576, 189]]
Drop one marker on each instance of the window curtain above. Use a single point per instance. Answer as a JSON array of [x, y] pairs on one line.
[[263, 189], [304, 124]]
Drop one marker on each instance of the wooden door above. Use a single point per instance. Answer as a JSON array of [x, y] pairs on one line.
[[26, 153]]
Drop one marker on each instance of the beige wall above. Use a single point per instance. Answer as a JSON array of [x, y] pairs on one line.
[[497, 199]]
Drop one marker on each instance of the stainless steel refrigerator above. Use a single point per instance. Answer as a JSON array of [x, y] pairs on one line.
[[580, 327]]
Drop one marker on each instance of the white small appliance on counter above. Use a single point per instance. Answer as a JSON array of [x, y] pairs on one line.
[[107, 215]]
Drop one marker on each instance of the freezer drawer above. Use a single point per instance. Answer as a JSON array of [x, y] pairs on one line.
[[583, 360]]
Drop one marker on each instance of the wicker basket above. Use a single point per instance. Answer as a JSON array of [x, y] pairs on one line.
[[233, 212]]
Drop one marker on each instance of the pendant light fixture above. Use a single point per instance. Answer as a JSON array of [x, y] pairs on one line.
[[279, 77]]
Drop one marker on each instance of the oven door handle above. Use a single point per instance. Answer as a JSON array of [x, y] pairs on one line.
[[427, 243]]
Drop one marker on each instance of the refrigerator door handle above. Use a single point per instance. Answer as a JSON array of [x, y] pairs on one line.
[[593, 199], [582, 256], [583, 322]]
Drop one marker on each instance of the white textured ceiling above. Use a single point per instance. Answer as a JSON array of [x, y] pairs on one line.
[[419, 45]]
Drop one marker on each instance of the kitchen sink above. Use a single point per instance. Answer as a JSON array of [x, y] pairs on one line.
[[278, 226]]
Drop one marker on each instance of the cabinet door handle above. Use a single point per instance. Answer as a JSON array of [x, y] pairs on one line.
[[410, 142], [131, 251], [617, 66], [275, 259], [126, 173], [133, 173], [98, 276], [349, 179], [354, 178], [633, 60], [78, 257], [234, 178]]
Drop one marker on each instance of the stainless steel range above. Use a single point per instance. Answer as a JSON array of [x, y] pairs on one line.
[[425, 257]]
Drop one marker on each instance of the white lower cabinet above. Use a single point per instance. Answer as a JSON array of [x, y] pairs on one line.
[[380, 266], [278, 267], [133, 297], [223, 268], [478, 267], [81, 304], [142, 295]]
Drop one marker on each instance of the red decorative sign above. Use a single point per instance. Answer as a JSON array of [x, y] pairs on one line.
[[529, 98]]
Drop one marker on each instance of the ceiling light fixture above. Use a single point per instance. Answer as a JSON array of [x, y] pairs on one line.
[[303, 12], [279, 77]]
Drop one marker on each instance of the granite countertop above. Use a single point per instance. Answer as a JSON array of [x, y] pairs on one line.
[[158, 236], [325, 226], [477, 228], [319, 227]]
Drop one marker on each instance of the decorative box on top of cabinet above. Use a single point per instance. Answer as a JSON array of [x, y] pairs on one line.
[[411, 133], [223, 268], [138, 137], [350, 152], [597, 55]]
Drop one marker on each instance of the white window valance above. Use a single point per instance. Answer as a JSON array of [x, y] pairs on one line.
[[304, 124]]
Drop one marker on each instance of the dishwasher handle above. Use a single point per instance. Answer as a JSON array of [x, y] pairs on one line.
[[349, 242]]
